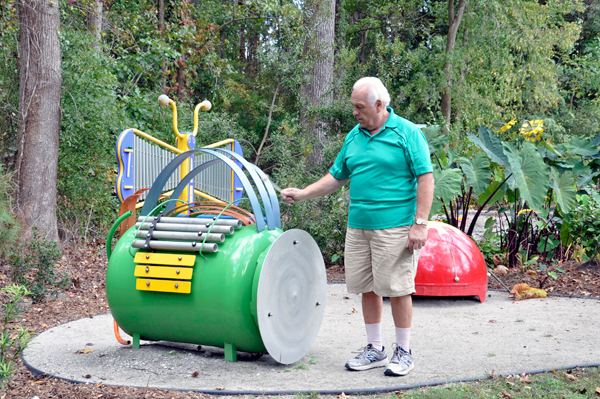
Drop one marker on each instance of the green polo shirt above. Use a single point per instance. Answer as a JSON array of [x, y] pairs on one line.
[[383, 170]]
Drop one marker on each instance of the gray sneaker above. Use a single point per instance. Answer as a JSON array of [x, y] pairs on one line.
[[401, 364], [368, 359]]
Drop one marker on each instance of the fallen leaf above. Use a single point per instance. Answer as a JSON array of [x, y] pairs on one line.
[[89, 344], [195, 374], [220, 389], [492, 321], [500, 270], [84, 351], [87, 376], [571, 377], [525, 379], [597, 391], [506, 395], [342, 396], [497, 259], [530, 272]]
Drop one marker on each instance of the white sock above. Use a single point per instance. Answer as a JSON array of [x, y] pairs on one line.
[[374, 335], [403, 338]]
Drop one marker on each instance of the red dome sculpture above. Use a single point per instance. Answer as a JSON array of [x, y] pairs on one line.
[[450, 264]]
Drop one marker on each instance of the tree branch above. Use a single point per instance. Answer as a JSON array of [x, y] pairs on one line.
[[268, 125]]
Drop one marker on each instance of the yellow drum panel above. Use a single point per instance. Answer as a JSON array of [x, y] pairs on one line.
[[178, 287], [150, 258], [183, 273]]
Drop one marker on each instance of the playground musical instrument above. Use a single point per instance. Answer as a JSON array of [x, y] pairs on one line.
[[212, 273]]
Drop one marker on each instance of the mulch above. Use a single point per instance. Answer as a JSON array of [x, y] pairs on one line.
[[86, 297]]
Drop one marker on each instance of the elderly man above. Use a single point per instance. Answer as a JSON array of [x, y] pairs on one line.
[[387, 160]]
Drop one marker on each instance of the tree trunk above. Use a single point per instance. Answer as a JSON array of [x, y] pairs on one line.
[[94, 23], [316, 92], [453, 24], [39, 115]]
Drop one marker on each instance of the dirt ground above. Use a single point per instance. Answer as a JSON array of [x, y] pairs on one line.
[[86, 297]]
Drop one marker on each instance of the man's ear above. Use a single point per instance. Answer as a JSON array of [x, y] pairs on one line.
[[379, 105]]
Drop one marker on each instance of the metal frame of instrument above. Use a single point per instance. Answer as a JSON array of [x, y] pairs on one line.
[[141, 160]]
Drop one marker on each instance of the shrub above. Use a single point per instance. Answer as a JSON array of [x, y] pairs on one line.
[[585, 224], [12, 340], [32, 266], [9, 226]]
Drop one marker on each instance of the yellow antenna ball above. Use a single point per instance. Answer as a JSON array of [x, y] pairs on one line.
[[163, 100], [206, 105]]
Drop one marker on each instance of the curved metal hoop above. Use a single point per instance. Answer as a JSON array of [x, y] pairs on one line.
[[245, 182], [261, 181]]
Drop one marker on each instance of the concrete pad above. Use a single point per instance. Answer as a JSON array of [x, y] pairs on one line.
[[452, 338]]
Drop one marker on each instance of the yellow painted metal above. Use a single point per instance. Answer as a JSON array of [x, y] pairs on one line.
[[208, 197], [175, 129], [184, 169], [151, 258], [205, 106], [179, 287], [219, 143], [182, 273], [157, 141]]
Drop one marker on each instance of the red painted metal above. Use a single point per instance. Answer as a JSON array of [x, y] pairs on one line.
[[450, 264]]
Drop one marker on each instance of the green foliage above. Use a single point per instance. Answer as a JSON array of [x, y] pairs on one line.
[[9, 226], [13, 340], [529, 172], [90, 120], [32, 266], [584, 224]]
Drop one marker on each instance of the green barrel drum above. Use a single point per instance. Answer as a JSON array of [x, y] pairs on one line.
[[245, 288]]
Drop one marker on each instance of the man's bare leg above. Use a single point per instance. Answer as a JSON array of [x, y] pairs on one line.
[[373, 356], [401, 310], [402, 361], [372, 307]]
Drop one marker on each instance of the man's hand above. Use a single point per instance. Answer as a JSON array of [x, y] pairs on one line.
[[417, 237], [291, 195]]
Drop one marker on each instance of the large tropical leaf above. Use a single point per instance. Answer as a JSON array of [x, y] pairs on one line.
[[491, 144], [529, 172], [477, 171], [489, 191], [583, 174], [435, 139], [563, 185], [581, 147], [447, 185]]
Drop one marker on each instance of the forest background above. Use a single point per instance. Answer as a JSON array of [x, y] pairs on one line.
[[279, 75]]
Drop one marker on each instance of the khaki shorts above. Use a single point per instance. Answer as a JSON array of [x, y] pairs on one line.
[[378, 261]]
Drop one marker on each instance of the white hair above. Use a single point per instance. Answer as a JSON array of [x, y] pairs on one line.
[[377, 90]]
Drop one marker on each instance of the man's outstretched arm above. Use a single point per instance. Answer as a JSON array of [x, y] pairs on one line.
[[326, 185]]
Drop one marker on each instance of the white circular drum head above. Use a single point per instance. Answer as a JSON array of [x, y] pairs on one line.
[[291, 295]]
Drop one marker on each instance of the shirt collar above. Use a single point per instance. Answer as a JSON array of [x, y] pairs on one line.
[[391, 122]]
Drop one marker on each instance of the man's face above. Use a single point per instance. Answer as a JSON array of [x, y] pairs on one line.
[[367, 114]]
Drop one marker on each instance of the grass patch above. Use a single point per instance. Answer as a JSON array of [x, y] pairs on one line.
[[568, 384]]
